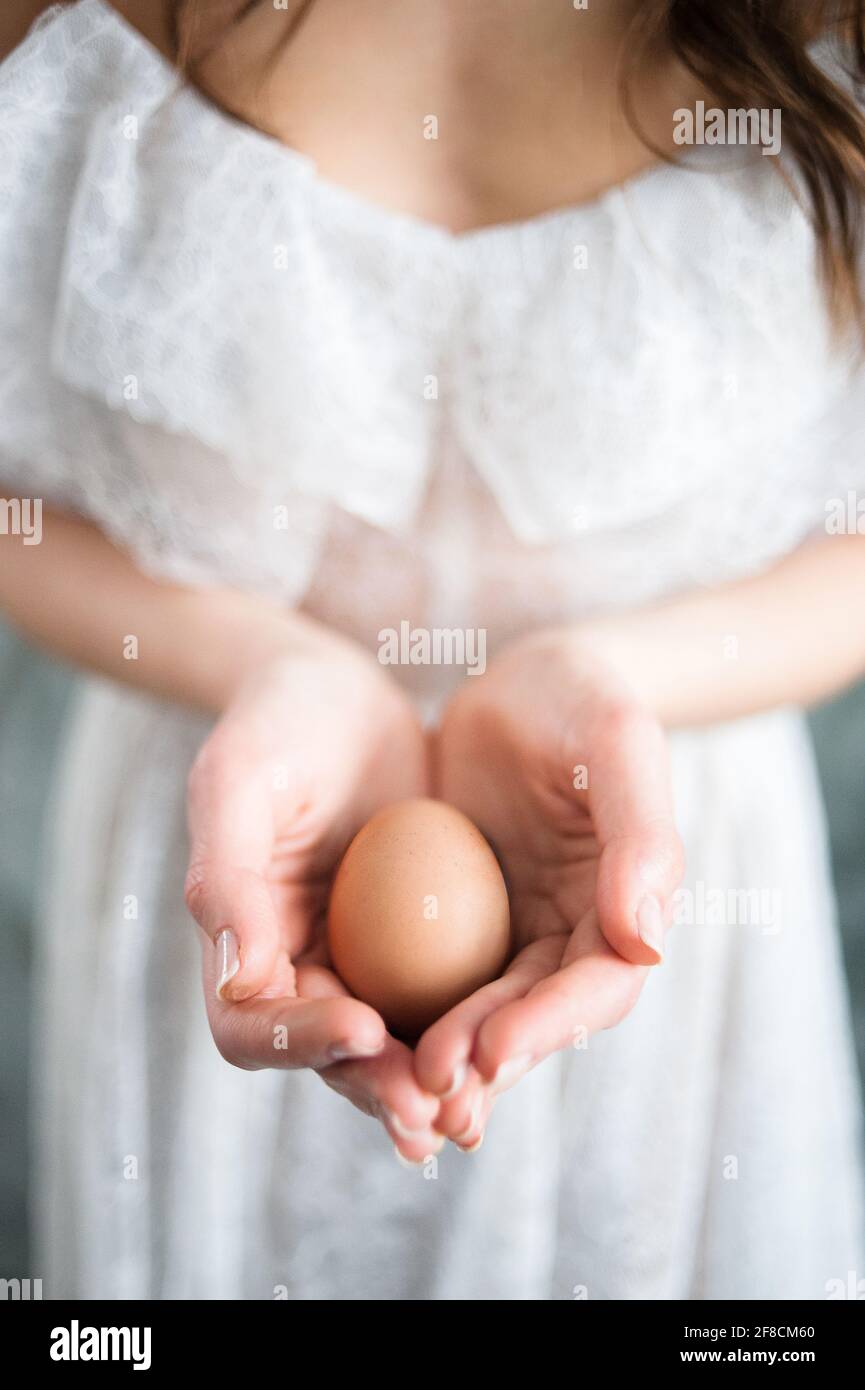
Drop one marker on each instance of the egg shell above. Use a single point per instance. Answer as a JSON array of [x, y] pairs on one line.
[[419, 914]]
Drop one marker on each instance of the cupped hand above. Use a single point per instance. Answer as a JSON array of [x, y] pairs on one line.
[[568, 778], [308, 749]]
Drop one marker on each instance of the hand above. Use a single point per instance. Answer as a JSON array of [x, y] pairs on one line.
[[308, 749], [567, 777]]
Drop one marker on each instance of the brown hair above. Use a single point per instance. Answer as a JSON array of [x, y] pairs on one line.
[[753, 53]]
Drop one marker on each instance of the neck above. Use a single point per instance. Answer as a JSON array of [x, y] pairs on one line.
[[533, 27]]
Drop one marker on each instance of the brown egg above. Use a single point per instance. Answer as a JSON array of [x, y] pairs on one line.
[[418, 914]]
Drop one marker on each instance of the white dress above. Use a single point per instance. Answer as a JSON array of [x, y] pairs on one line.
[[247, 375]]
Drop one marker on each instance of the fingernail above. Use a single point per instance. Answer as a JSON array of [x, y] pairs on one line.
[[349, 1051], [228, 960], [509, 1072], [474, 1116], [408, 1162], [471, 1148], [461, 1071], [402, 1130], [417, 1162], [650, 925]]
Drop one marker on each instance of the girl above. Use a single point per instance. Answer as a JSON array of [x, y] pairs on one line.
[[321, 317]]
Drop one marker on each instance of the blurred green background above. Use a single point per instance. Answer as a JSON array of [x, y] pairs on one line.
[[33, 695]]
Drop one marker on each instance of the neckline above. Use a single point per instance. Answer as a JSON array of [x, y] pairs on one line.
[[283, 154]]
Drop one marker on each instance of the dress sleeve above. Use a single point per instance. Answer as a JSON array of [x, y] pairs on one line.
[[77, 431], [46, 96]]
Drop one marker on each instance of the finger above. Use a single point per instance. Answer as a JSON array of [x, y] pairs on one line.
[[243, 952], [472, 1137], [594, 991], [442, 1055], [292, 1033], [463, 1118], [316, 981], [391, 1087], [386, 1087], [231, 833], [642, 861], [637, 879]]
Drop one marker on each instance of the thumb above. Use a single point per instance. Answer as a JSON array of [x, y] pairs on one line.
[[236, 913], [231, 830], [637, 877], [642, 859]]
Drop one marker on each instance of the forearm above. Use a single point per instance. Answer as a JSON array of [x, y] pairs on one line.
[[83, 599], [794, 635]]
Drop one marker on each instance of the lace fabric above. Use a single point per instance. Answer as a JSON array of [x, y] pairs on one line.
[[212, 350]]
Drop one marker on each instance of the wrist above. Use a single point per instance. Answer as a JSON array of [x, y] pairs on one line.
[[622, 662], [291, 652], [262, 644], [598, 657]]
